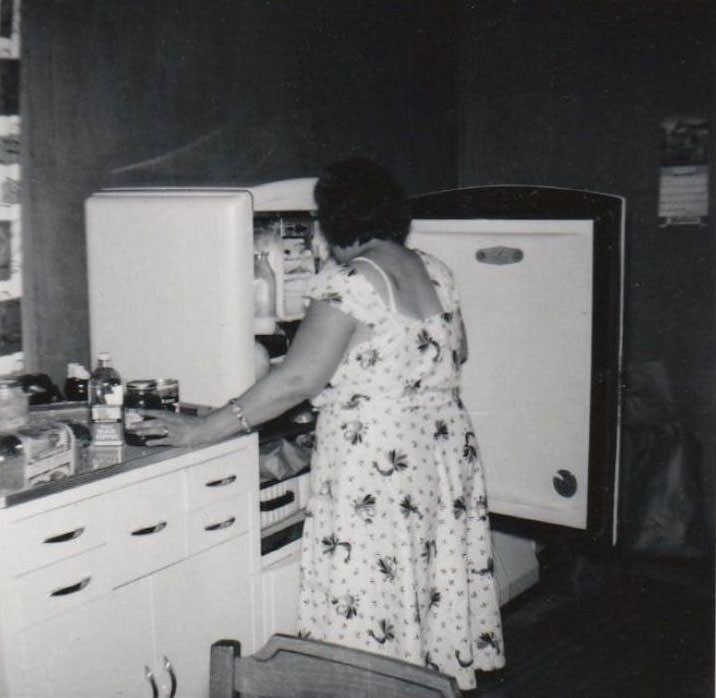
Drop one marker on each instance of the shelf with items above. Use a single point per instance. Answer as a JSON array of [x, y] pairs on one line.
[[9, 190], [293, 246]]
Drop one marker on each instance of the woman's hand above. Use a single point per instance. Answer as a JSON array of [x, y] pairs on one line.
[[164, 428]]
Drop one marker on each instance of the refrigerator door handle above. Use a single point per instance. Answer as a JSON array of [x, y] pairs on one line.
[[499, 255]]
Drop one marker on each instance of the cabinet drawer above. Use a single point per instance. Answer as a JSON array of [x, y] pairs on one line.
[[148, 526], [217, 522], [57, 534], [221, 478], [64, 585]]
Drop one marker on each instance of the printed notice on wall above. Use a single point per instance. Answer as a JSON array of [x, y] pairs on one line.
[[684, 174]]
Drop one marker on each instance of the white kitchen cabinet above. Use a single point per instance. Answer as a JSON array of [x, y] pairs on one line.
[[71, 654], [154, 629], [126, 643], [279, 594], [117, 587], [213, 590], [147, 526]]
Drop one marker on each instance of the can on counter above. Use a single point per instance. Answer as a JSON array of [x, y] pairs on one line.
[[168, 391], [139, 395], [37, 453]]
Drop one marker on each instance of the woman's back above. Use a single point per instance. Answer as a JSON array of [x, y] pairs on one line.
[[408, 329], [399, 277]]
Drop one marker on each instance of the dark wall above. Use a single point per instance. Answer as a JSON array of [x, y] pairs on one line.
[[573, 94], [177, 91], [535, 92]]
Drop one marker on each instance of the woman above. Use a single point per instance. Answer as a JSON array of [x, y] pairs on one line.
[[396, 545]]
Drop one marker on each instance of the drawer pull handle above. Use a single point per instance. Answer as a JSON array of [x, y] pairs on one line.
[[72, 589], [64, 537], [221, 525], [170, 670], [278, 502], [149, 675], [149, 530], [222, 482]]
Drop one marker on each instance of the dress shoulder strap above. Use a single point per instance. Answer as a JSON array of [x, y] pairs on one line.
[[379, 269]]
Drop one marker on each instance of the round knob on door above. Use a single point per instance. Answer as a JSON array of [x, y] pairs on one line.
[[565, 483]]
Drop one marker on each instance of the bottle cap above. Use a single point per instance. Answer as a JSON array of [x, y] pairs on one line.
[[103, 356]]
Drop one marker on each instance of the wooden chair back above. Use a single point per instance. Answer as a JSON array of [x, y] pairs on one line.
[[292, 667]]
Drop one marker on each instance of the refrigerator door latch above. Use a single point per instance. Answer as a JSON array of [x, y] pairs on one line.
[[499, 255]]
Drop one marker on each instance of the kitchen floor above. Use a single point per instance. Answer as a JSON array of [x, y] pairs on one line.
[[639, 630]]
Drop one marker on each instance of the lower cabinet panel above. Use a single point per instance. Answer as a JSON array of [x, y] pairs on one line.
[[98, 649], [196, 602], [279, 592]]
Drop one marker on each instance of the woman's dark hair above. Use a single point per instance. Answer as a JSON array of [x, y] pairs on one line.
[[359, 200]]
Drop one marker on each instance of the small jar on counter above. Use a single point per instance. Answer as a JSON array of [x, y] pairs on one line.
[[139, 395], [14, 405], [168, 391]]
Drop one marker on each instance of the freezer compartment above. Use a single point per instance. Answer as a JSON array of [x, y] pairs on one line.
[[170, 287]]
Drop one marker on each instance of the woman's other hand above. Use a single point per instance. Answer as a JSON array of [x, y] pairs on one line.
[[163, 428]]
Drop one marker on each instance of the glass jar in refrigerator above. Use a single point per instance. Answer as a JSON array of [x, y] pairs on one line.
[[264, 294]]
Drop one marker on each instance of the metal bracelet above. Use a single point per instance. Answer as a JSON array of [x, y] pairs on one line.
[[239, 414]]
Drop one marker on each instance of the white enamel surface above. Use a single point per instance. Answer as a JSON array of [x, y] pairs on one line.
[[527, 381], [170, 288]]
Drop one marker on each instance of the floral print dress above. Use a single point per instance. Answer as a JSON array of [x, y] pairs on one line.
[[396, 554]]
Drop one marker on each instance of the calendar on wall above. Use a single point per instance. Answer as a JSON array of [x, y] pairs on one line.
[[684, 173], [10, 212]]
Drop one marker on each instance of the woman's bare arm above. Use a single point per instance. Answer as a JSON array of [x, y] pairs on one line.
[[318, 347]]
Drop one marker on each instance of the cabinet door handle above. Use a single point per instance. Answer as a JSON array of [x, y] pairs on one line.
[[221, 524], [149, 530], [170, 670], [222, 482], [64, 537], [149, 675], [72, 588], [278, 502]]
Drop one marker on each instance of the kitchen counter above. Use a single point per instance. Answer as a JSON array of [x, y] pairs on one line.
[[94, 462]]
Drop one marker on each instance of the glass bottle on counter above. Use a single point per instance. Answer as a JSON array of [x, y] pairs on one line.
[[264, 295], [105, 397]]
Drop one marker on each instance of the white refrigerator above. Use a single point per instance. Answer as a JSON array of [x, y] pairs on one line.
[[170, 274], [539, 271]]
